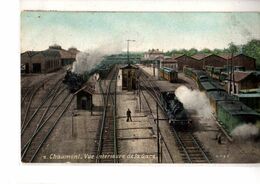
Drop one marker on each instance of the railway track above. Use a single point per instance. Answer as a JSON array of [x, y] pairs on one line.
[[107, 148], [26, 119], [41, 119], [189, 146], [36, 141], [44, 129], [39, 127]]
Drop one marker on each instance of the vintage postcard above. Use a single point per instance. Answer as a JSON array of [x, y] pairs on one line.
[[140, 87]]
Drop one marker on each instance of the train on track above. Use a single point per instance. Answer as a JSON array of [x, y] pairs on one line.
[[178, 116], [229, 112], [75, 81], [168, 74]]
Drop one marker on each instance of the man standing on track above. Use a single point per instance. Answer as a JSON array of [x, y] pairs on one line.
[[128, 114]]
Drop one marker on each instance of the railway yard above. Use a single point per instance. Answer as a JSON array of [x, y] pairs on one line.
[[55, 130]]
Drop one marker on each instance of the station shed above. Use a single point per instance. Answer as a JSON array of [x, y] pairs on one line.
[[85, 98], [129, 77], [250, 97]]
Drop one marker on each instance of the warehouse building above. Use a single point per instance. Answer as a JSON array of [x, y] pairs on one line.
[[41, 61], [244, 80], [48, 60], [66, 56], [247, 62], [73, 51], [170, 63], [222, 60], [184, 60]]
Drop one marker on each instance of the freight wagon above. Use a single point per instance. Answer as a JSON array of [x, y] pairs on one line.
[[168, 74]]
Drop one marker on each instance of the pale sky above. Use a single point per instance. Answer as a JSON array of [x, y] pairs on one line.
[[165, 31]]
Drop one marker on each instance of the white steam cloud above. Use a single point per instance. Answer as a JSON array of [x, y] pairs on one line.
[[85, 61], [245, 131], [194, 100]]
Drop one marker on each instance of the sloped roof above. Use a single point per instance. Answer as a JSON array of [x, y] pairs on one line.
[[239, 75], [225, 55], [50, 53], [241, 54], [30, 53], [64, 54], [200, 56], [175, 56], [89, 89]]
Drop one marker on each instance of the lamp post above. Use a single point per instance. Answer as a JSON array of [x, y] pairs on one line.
[[128, 60]]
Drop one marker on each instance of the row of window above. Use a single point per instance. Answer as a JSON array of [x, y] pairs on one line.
[[52, 64]]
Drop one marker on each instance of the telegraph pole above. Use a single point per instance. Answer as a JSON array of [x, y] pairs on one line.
[[128, 59], [158, 133]]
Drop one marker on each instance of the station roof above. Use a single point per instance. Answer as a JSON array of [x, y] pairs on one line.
[[50, 53], [30, 53]]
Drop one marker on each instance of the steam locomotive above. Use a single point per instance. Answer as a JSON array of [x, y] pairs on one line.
[[178, 116], [74, 81]]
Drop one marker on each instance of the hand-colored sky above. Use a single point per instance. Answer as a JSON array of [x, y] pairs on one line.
[[89, 30]]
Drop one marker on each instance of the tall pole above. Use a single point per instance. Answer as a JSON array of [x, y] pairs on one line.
[[158, 133], [128, 59], [128, 62]]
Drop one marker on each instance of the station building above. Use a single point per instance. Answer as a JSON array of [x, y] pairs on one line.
[[153, 54], [85, 98], [48, 60], [41, 61], [66, 57], [129, 77]]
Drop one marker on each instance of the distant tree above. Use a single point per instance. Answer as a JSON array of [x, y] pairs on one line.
[[205, 51], [233, 48], [217, 51], [192, 51], [252, 49]]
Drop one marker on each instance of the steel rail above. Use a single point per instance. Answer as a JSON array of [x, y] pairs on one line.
[[50, 93], [55, 123], [104, 116], [29, 104], [48, 134], [174, 131], [39, 125], [163, 139], [100, 142], [28, 143], [202, 151]]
